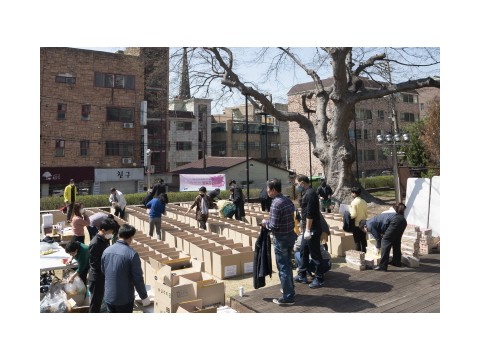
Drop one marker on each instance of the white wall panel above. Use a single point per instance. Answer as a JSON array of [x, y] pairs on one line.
[[417, 201], [434, 218]]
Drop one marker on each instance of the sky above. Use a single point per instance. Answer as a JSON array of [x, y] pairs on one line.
[[278, 87], [29, 26]]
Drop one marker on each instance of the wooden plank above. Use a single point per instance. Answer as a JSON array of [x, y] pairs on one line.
[[347, 290]]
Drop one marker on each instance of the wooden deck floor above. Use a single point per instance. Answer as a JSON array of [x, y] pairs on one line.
[[400, 290]]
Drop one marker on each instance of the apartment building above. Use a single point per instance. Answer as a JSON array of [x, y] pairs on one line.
[[372, 117], [229, 134], [92, 127]]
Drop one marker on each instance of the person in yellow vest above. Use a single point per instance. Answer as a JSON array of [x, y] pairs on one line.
[[69, 194], [358, 212]]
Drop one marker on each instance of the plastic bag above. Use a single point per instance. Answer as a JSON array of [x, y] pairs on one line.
[[75, 288], [44, 246], [55, 302]]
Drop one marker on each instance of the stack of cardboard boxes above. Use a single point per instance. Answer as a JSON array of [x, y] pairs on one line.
[[183, 280]]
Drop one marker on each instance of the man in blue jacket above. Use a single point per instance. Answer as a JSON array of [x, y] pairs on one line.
[[123, 274], [156, 208]]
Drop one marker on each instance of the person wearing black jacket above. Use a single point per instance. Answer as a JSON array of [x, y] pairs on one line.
[[325, 193], [96, 279], [236, 197], [312, 232], [392, 238], [158, 189]]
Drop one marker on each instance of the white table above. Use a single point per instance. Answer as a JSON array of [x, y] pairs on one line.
[[54, 261]]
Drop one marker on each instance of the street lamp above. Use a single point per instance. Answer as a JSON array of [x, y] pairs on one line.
[[397, 139], [149, 160]]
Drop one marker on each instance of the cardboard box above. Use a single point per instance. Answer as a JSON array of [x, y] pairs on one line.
[[340, 242], [167, 297], [206, 288], [246, 259], [226, 264], [160, 246], [194, 306], [151, 267], [207, 256], [171, 268], [196, 249], [189, 240], [172, 235]]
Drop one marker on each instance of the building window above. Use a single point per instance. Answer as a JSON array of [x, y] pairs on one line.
[[219, 128], [59, 148], [370, 155], [119, 148], [409, 98], [64, 79], [238, 128], [120, 114], [363, 114], [408, 116], [351, 134], [422, 106], [85, 112], [219, 148], [116, 81], [84, 145], [184, 145], [359, 155], [381, 114], [61, 111], [358, 134], [184, 125]]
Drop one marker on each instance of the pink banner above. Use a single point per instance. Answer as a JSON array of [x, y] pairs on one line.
[[210, 181]]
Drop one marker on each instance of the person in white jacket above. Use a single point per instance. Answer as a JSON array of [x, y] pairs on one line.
[[117, 199]]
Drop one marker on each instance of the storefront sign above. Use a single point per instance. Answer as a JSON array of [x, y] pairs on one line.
[[62, 175]]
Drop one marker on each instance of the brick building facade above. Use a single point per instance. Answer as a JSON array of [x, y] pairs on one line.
[[90, 126], [372, 117]]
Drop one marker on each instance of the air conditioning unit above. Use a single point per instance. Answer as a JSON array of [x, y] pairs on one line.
[[127, 160], [128, 125]]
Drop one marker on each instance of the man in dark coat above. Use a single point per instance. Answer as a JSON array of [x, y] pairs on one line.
[[392, 238], [236, 197]]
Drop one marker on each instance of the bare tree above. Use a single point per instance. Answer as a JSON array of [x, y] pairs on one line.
[[334, 104], [431, 131]]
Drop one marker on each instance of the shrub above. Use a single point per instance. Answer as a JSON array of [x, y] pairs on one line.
[[56, 202]]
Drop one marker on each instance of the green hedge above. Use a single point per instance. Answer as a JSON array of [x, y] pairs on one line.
[[379, 182], [56, 202]]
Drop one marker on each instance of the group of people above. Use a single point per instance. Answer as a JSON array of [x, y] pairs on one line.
[[387, 228], [116, 199], [204, 201], [313, 229], [113, 272]]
